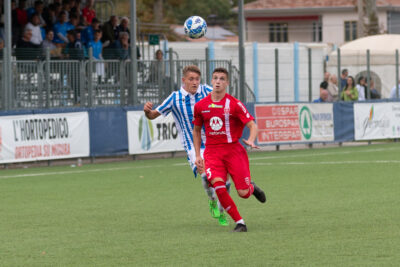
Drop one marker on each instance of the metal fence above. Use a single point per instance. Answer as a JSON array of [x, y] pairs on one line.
[[48, 83]]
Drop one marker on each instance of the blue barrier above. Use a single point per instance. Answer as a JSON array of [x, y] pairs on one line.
[[343, 121]]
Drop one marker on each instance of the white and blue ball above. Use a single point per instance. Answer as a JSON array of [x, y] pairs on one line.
[[195, 27]]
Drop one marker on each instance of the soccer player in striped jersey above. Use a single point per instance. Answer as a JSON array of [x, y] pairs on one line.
[[181, 104], [224, 118]]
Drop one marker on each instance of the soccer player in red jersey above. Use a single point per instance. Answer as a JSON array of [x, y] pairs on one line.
[[224, 118]]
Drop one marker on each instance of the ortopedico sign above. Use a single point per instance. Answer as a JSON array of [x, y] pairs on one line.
[[44, 137], [291, 123], [376, 121], [152, 136]]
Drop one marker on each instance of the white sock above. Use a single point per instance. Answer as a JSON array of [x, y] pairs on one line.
[[241, 221], [209, 190]]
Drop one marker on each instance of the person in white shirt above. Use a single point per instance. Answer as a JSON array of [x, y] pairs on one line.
[[36, 32], [393, 92], [361, 88]]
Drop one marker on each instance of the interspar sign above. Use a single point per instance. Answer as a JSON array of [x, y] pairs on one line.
[[376, 121], [152, 136], [44, 137], [294, 123]]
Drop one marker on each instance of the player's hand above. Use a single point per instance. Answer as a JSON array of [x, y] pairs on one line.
[[250, 143], [148, 107], [199, 164]]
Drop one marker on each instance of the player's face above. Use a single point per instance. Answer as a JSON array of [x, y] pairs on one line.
[[191, 82], [219, 82]]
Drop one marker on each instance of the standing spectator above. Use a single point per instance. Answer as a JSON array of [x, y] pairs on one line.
[[350, 92], [361, 88], [22, 15], [374, 93], [34, 25], [394, 92], [97, 47], [326, 76], [38, 9], [343, 79], [110, 31], [88, 32], [73, 22], [50, 15], [323, 97], [66, 7], [88, 12], [123, 26], [333, 89], [60, 30]]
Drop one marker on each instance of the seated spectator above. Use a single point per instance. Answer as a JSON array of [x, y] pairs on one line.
[[34, 25], [60, 30], [333, 89], [374, 93], [48, 44], [88, 32], [350, 92], [361, 88], [38, 9], [50, 15], [323, 96], [25, 48], [66, 7], [88, 12], [123, 26], [74, 49], [394, 93], [119, 49], [110, 32]]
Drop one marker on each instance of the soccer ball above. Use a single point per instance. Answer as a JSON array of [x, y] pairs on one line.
[[195, 27]]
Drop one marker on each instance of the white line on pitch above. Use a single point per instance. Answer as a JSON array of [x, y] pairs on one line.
[[327, 162]]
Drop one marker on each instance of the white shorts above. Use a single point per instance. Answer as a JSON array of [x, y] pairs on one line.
[[191, 157]]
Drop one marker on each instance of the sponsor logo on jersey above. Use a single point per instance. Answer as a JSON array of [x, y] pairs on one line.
[[215, 106], [216, 123], [242, 107]]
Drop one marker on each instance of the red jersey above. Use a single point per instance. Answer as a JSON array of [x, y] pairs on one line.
[[88, 14], [223, 120]]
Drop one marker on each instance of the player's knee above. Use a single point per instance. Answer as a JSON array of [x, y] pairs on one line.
[[244, 193], [213, 181]]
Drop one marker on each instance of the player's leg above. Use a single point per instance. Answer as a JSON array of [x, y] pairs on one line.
[[238, 167], [223, 220]]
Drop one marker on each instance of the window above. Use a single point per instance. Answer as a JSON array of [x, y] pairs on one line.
[[350, 30], [317, 31], [278, 32]]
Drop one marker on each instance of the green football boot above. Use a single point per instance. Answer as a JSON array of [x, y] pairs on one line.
[[214, 210], [223, 220]]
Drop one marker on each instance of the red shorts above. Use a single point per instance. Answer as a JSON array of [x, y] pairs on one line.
[[219, 160]]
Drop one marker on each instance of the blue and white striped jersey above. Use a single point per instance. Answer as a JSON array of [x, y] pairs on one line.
[[181, 104]]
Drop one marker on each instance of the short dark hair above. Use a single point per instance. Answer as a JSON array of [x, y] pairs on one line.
[[221, 70], [191, 68], [344, 71], [323, 85]]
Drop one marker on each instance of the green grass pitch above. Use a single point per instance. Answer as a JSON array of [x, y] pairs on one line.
[[326, 207]]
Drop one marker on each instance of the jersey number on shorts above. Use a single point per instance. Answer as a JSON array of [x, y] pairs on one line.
[[209, 173]]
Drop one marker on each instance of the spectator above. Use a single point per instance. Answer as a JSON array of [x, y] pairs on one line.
[[323, 96], [22, 15], [123, 26], [27, 50], [50, 15], [60, 30], [326, 76], [333, 89], [343, 79], [350, 92], [394, 93], [119, 49], [34, 25], [110, 31], [88, 12], [74, 49], [73, 22], [48, 44], [97, 47], [66, 7], [15, 27], [38, 9], [88, 32], [25, 40], [374, 93], [361, 88]]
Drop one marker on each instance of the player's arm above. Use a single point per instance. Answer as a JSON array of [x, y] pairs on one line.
[[197, 146], [149, 112], [253, 134]]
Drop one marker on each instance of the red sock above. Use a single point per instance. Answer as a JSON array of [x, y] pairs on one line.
[[251, 190], [226, 201]]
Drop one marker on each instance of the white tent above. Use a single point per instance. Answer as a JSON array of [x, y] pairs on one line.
[[382, 59]]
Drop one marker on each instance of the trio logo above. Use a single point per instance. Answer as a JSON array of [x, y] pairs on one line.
[[305, 120], [216, 123], [146, 133]]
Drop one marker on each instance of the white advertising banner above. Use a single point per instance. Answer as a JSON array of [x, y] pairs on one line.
[[152, 136], [294, 123], [376, 121], [44, 137]]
